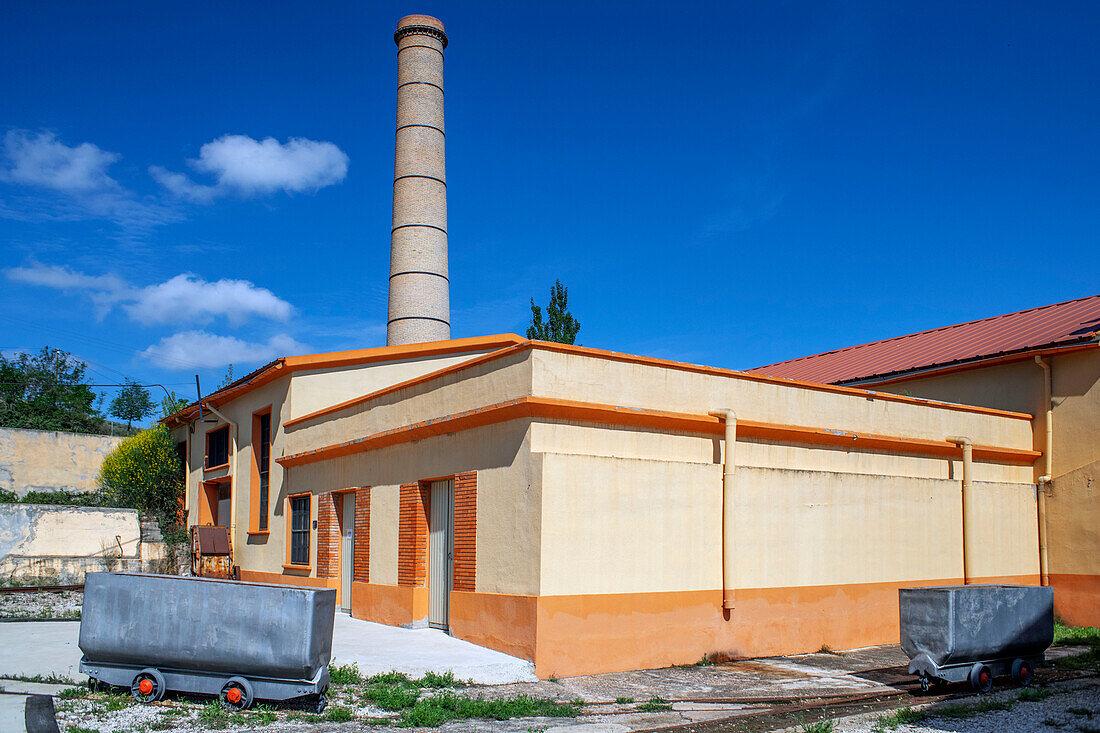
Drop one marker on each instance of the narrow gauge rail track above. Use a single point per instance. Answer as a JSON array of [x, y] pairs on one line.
[[38, 588]]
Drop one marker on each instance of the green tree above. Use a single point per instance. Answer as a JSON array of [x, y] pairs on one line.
[[132, 403], [144, 472], [560, 325], [172, 403], [47, 391]]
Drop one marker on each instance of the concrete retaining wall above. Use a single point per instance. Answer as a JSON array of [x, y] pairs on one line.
[[41, 460], [58, 544]]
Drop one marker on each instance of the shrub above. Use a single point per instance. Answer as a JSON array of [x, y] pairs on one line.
[[144, 473]]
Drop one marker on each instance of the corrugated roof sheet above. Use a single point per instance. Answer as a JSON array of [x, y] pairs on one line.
[[1049, 326]]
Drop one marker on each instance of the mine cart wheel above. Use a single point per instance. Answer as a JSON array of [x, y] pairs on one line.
[[1023, 673], [981, 677], [237, 693], [321, 703], [148, 685]]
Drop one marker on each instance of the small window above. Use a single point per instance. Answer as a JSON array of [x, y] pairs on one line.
[[264, 467], [217, 447], [299, 530]]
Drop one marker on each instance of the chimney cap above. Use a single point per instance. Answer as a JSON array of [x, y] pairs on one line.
[[425, 24]]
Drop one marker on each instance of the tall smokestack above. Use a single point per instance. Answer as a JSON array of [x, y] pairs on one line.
[[419, 289]]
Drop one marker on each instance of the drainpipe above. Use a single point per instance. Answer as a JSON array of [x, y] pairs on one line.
[[729, 468], [968, 474], [233, 430], [1043, 481]]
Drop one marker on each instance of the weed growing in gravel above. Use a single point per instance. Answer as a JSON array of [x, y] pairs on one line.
[[1084, 712], [432, 679], [436, 710], [80, 690], [624, 700], [305, 717], [345, 674], [118, 702], [51, 679], [821, 726], [337, 714], [214, 716], [78, 729], [393, 697], [1034, 694], [655, 704], [991, 704], [901, 716], [706, 661]]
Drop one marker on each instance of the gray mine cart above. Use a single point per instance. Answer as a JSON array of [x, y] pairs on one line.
[[976, 632], [239, 641]]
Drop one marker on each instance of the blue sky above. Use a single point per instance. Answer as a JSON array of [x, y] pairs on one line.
[[730, 184]]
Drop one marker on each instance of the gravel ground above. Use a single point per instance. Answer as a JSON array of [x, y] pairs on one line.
[[41, 604], [1074, 708]]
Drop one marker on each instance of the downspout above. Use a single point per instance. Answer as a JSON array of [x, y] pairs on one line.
[[729, 467], [1043, 481], [233, 430], [968, 474]]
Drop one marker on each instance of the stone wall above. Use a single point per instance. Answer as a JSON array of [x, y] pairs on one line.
[[41, 460], [59, 544]]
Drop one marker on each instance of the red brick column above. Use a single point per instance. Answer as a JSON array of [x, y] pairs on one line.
[[465, 558], [412, 536], [328, 537], [362, 535]]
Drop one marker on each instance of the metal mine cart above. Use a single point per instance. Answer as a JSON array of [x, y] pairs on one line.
[[239, 641], [976, 632]]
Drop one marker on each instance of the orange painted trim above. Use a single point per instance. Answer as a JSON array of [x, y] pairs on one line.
[[555, 409], [470, 363], [1005, 580], [980, 364], [815, 386], [259, 576], [290, 364], [397, 605], [299, 568], [1076, 597], [254, 476], [259, 533], [219, 467], [289, 523]]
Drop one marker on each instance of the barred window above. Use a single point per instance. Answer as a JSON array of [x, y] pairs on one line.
[[264, 466], [299, 530]]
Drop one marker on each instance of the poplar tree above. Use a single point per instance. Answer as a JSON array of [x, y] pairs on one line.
[[560, 325]]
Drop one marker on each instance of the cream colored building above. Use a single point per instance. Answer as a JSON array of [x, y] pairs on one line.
[[585, 510], [1044, 361]]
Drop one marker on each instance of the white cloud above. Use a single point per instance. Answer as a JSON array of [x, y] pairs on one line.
[[242, 165], [44, 161], [202, 350], [183, 299], [69, 183]]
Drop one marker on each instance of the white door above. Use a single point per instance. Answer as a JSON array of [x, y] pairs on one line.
[[347, 551], [440, 552]]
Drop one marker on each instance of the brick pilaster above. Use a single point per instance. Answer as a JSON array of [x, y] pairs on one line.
[[465, 550], [412, 536], [362, 535], [328, 537]]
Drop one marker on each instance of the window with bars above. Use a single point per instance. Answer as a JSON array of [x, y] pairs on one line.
[[299, 530], [264, 467], [217, 447]]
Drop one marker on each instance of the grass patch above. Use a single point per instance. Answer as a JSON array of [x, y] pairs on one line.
[[68, 693], [437, 681], [305, 717], [345, 674], [901, 716], [624, 700], [78, 729], [49, 679], [1084, 712], [393, 697], [438, 709], [655, 704], [337, 714], [993, 704], [821, 726], [118, 702], [212, 715], [1034, 694], [262, 718], [1067, 635]]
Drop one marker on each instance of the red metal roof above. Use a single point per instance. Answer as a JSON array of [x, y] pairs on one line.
[[1047, 327]]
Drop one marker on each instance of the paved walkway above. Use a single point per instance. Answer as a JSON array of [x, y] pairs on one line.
[[50, 648]]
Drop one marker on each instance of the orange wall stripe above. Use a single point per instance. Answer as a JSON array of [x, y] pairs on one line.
[[554, 409], [492, 355]]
